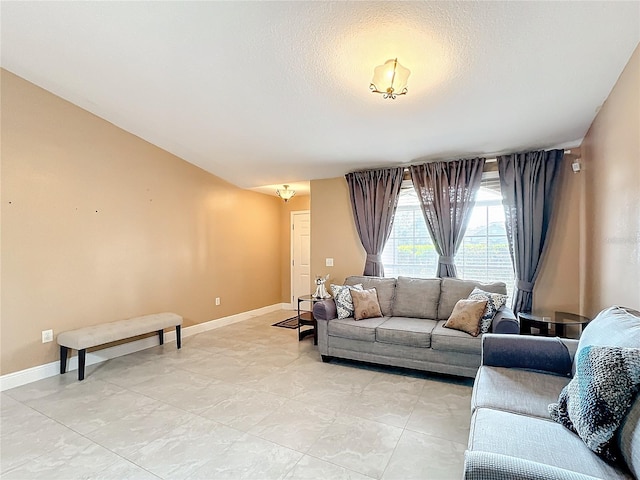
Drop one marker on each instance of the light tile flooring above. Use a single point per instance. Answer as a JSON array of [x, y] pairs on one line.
[[245, 401]]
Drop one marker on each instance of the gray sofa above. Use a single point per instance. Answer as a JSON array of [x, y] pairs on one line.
[[410, 334], [512, 434]]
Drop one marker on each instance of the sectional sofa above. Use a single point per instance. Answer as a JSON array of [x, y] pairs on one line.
[[512, 432], [411, 332]]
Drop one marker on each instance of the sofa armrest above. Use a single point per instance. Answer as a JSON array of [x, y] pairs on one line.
[[325, 310], [486, 465], [546, 354], [505, 321]]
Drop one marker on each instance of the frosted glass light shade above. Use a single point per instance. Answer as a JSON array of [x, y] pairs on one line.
[[390, 79], [286, 194]]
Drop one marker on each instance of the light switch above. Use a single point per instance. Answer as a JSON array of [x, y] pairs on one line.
[[329, 262]]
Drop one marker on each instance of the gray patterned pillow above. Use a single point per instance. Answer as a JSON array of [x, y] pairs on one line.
[[597, 399], [494, 302], [342, 297]]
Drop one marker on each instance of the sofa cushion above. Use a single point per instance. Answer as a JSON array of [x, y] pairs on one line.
[[446, 339], [629, 438], [385, 287], [597, 399], [416, 297], [365, 304], [484, 465], [413, 332], [538, 440], [613, 326], [355, 330], [518, 391], [453, 289]]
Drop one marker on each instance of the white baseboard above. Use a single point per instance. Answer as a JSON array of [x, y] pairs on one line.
[[33, 374]]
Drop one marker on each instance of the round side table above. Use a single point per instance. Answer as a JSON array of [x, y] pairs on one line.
[[560, 322]]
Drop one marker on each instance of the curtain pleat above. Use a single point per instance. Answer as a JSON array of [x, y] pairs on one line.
[[374, 198], [447, 192], [528, 183]]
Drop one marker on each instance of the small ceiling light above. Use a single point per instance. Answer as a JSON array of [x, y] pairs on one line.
[[390, 79], [286, 194]]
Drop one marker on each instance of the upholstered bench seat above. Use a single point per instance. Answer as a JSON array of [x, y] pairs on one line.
[[95, 335]]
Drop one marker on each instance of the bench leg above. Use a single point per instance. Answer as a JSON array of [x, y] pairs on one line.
[[161, 336], [81, 360], [64, 351], [178, 339]]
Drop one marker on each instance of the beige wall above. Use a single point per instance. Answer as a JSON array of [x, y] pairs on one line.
[[333, 232], [612, 167], [296, 204], [99, 225], [559, 286]]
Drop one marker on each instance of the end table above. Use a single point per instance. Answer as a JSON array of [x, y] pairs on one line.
[[559, 321], [305, 317]]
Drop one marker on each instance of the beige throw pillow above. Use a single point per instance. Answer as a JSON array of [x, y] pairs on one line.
[[365, 304], [466, 316]]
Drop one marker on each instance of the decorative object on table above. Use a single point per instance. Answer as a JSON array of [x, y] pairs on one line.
[[390, 79], [285, 194], [321, 291]]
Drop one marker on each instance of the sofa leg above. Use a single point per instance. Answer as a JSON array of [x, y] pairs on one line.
[[326, 358]]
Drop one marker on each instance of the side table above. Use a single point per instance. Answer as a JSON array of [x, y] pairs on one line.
[[305, 317], [559, 321]]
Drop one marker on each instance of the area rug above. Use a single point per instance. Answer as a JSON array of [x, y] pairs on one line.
[[288, 323]]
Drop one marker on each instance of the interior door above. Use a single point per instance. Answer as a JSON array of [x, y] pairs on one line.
[[300, 255]]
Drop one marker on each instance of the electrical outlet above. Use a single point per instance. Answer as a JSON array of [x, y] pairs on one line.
[[217, 301], [328, 262], [47, 336]]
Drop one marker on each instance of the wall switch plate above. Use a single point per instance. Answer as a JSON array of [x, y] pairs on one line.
[[217, 301], [329, 262], [47, 336]]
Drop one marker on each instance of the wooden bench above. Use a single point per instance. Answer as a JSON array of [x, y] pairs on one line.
[[88, 337]]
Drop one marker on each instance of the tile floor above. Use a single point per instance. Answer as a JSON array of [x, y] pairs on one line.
[[245, 401]]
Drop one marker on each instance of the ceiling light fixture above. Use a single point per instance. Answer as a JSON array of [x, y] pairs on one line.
[[390, 79], [286, 194]]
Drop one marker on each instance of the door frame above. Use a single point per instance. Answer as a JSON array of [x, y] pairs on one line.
[[291, 243]]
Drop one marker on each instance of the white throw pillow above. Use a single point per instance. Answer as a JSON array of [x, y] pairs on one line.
[[342, 297]]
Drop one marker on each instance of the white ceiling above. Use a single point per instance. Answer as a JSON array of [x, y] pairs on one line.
[[264, 93]]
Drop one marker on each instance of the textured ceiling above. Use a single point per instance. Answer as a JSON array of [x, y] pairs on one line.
[[263, 93]]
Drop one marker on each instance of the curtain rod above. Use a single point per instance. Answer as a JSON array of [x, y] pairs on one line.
[[495, 159], [487, 160]]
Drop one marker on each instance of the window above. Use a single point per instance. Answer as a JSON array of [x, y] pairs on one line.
[[483, 255]]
